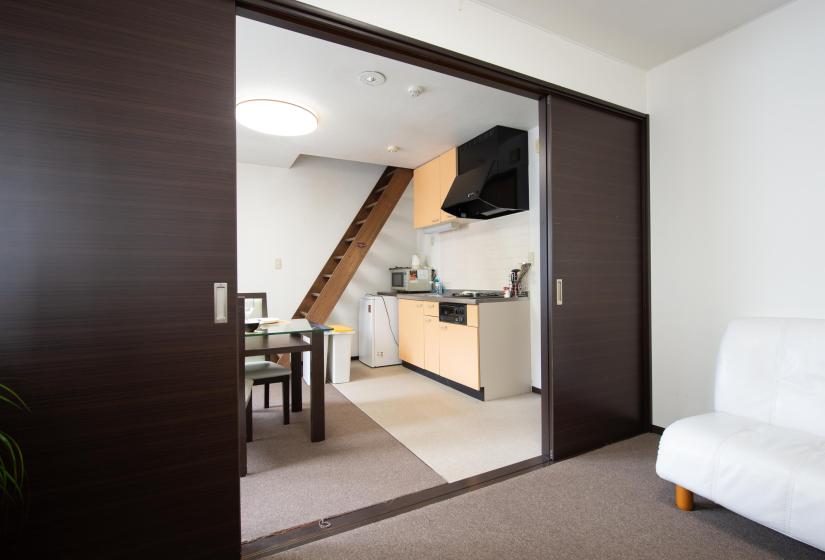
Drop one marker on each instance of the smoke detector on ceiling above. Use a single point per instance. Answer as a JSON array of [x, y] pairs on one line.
[[392, 148], [372, 78], [415, 91]]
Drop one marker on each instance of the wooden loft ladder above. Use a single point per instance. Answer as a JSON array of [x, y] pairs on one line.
[[341, 266]]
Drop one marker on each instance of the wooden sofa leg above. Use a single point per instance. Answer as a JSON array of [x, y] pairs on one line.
[[684, 499]]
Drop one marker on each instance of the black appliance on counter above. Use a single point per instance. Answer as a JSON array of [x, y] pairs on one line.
[[455, 313], [492, 178]]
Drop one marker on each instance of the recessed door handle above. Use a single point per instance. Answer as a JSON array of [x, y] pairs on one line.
[[559, 291], [220, 293]]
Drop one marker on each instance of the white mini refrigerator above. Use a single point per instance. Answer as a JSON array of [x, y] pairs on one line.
[[378, 331]]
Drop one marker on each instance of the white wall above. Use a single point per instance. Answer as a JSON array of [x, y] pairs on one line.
[[298, 215], [737, 194], [481, 254], [484, 33]]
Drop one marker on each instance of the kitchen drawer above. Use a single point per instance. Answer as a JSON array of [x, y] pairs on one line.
[[431, 308]]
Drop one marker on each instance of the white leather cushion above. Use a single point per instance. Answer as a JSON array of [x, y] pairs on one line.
[[807, 519], [800, 399], [770, 474], [264, 370], [746, 368], [773, 370], [689, 448]]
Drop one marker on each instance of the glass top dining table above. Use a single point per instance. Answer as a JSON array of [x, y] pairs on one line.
[[293, 326], [296, 338]]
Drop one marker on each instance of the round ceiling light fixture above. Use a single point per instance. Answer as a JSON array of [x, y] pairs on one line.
[[279, 118], [372, 78]]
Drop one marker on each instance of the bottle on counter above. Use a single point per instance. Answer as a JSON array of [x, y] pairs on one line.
[[438, 287], [514, 288]]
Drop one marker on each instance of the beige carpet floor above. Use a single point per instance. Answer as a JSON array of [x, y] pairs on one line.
[[292, 481], [605, 505], [455, 434]]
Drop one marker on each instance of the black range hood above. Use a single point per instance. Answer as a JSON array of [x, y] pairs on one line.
[[492, 176]]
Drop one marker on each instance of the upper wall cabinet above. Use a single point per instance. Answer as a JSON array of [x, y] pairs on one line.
[[431, 182]]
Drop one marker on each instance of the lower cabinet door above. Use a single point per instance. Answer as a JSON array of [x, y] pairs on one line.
[[432, 334], [411, 331], [458, 354]]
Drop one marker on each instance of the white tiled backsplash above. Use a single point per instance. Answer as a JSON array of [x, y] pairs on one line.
[[479, 255]]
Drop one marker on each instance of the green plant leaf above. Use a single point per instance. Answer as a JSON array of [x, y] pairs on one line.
[[12, 467], [8, 395], [13, 453]]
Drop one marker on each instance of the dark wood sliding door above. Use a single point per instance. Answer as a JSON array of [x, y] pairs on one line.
[[598, 309], [117, 215]]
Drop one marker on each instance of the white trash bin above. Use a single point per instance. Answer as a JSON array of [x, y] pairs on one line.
[[340, 353]]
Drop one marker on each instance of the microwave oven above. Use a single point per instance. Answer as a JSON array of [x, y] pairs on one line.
[[407, 279]]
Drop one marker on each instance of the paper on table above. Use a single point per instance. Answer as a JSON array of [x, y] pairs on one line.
[[271, 320]]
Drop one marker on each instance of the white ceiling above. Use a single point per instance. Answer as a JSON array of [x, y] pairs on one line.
[[644, 33], [358, 122]]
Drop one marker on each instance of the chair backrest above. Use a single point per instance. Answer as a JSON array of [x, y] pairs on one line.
[[773, 370], [254, 304]]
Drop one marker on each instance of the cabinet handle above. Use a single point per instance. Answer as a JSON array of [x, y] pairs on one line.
[[559, 291]]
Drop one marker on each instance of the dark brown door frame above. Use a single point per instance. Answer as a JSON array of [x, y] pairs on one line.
[[329, 26]]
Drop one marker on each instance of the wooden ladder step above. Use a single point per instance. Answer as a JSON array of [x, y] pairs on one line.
[[326, 276], [304, 313], [361, 222], [370, 205], [316, 294], [380, 189], [349, 239], [338, 257]]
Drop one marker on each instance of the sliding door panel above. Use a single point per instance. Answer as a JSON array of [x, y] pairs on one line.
[[598, 267], [117, 216]]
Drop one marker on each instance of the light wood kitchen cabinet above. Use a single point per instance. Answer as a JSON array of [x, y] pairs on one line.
[[432, 344], [431, 182], [411, 331], [458, 354], [448, 350], [489, 355], [447, 170], [426, 208]]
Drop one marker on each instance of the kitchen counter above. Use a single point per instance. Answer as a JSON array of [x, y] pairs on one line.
[[447, 298], [477, 348]]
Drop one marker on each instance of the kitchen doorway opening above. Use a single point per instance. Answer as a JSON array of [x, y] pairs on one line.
[[442, 392]]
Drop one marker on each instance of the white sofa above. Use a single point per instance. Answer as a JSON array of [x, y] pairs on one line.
[[762, 452]]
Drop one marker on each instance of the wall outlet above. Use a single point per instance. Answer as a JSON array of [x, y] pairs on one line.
[[278, 264]]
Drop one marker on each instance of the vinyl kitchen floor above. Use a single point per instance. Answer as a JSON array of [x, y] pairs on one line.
[[456, 435]]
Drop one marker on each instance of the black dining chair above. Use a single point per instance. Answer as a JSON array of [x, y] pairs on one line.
[[262, 372]]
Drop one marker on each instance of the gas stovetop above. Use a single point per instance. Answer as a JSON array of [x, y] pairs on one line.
[[473, 294]]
